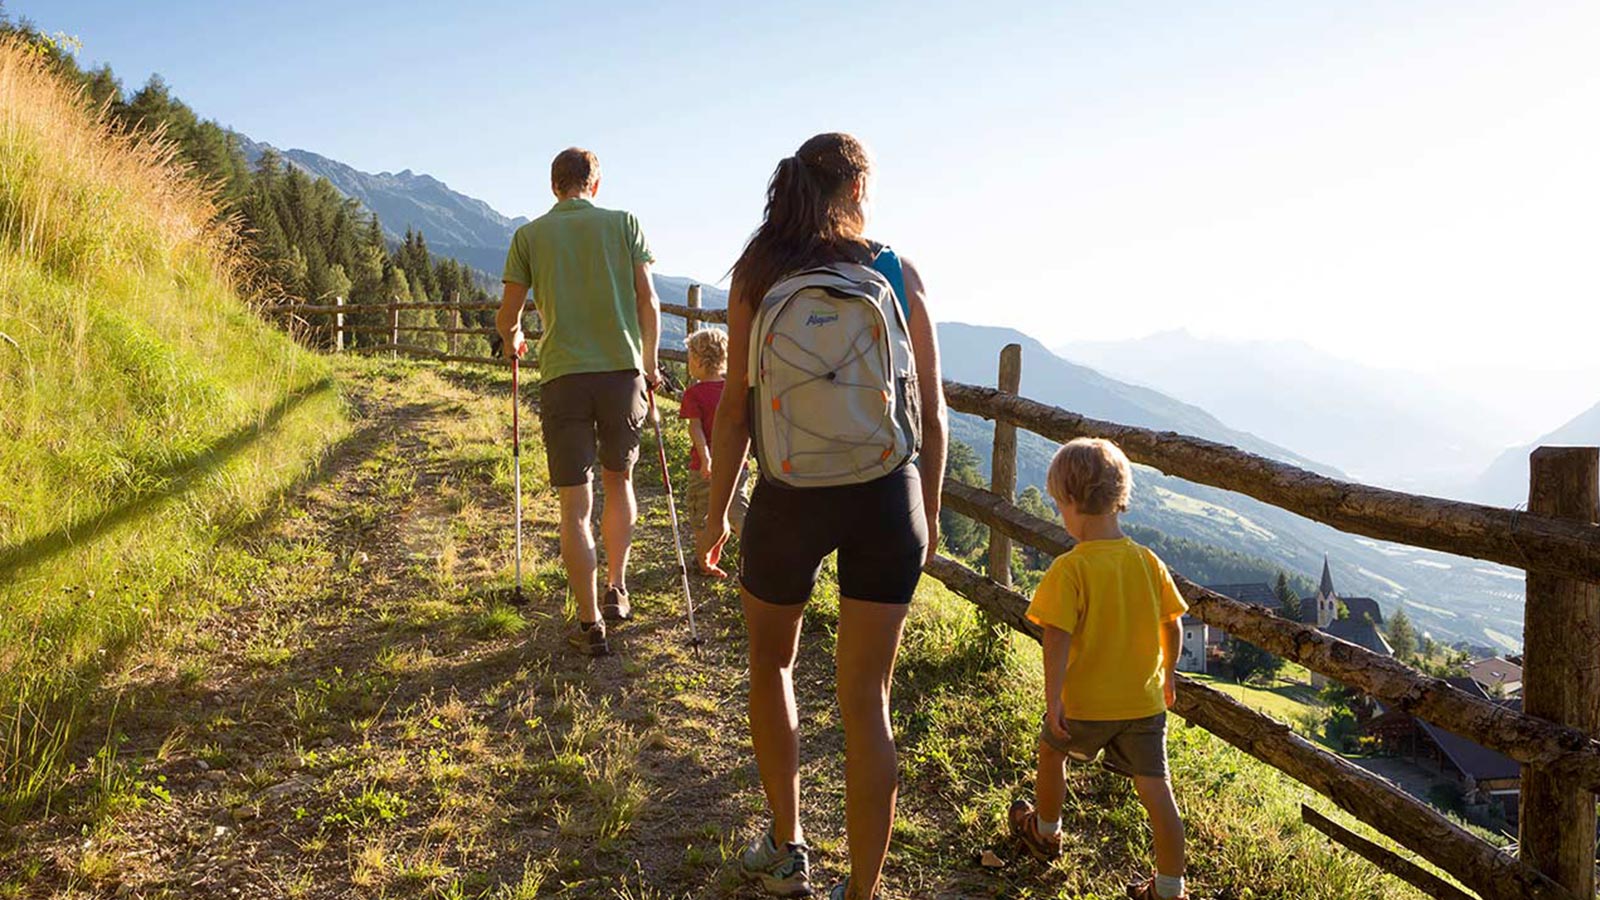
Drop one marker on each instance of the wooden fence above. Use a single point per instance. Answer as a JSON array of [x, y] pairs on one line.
[[1557, 541]]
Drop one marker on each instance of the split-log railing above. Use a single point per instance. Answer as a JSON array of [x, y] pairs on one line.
[[1557, 541]]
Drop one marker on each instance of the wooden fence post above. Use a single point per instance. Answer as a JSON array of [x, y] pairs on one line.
[[338, 326], [694, 305], [1561, 674], [1003, 464], [455, 322], [394, 329]]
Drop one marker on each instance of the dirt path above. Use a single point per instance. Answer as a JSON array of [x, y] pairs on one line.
[[363, 720]]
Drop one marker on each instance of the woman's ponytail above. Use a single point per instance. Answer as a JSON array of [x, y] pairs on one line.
[[807, 217]]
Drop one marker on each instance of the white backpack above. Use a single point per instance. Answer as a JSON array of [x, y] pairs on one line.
[[833, 381]]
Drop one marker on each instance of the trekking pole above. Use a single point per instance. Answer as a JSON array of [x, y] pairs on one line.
[[672, 511], [517, 599]]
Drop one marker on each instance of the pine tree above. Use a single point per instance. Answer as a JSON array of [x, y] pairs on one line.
[[1288, 600], [962, 536], [1402, 637]]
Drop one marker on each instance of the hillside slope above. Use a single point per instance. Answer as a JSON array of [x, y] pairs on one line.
[[969, 353], [1296, 395], [1505, 482], [1451, 597], [147, 409]]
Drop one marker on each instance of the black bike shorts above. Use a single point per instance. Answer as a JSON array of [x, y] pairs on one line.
[[879, 529]]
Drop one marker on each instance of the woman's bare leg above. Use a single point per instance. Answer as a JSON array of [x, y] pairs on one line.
[[774, 722], [869, 639]]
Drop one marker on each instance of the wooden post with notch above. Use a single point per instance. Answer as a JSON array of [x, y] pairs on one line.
[[338, 326], [694, 306], [1003, 464], [455, 321], [394, 329], [1561, 674]]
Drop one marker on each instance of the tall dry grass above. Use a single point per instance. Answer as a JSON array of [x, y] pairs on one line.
[[145, 411]]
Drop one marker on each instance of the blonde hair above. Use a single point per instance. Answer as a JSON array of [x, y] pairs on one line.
[[1093, 473], [710, 346]]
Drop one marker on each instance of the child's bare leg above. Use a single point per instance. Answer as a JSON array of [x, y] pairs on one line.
[[1156, 795], [1050, 787]]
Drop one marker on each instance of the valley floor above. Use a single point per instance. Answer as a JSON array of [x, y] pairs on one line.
[[368, 721]]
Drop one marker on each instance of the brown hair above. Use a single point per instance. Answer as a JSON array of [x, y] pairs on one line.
[[1093, 473], [710, 346], [574, 169], [809, 218]]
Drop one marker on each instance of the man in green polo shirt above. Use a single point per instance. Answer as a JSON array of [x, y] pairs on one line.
[[589, 269]]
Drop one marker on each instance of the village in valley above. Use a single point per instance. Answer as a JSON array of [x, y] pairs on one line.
[[1449, 771]]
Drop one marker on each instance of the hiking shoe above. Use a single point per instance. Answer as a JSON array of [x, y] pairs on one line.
[[589, 638], [782, 872], [616, 606], [1025, 827], [1146, 890]]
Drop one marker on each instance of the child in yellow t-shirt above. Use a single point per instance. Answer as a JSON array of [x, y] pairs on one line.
[[1110, 615]]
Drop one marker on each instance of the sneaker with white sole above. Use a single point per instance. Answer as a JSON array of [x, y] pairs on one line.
[[782, 871]]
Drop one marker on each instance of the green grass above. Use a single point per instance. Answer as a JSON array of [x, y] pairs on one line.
[[147, 411], [1291, 702]]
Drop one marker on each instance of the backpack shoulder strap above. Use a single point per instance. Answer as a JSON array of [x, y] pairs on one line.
[[888, 265]]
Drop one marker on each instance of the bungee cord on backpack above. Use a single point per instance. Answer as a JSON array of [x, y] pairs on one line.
[[847, 446]]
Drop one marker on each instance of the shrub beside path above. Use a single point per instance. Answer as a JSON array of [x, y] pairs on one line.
[[360, 717]]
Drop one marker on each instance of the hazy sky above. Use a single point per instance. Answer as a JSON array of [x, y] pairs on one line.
[[1408, 183]]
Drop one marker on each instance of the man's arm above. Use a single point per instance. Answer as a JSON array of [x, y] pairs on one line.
[[508, 321], [1171, 646], [1057, 650], [930, 389], [644, 292]]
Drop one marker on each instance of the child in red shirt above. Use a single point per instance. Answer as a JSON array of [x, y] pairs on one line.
[[708, 365]]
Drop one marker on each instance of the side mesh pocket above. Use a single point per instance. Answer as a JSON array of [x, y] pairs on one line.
[[910, 411]]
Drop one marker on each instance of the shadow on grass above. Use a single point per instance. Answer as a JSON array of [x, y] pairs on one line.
[[175, 479]]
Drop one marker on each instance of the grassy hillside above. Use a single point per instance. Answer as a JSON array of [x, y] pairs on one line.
[[146, 409]]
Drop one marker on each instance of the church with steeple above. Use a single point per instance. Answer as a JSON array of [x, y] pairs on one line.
[[1358, 620]]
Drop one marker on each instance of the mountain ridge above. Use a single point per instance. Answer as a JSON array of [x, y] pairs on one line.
[[1505, 481], [1384, 426], [464, 228]]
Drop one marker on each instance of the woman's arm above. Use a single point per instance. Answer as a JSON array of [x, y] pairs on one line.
[[925, 349], [730, 434]]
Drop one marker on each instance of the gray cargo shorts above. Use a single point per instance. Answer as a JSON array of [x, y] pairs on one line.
[[1133, 747], [590, 416]]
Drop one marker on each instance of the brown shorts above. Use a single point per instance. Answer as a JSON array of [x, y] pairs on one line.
[[577, 412], [1134, 747]]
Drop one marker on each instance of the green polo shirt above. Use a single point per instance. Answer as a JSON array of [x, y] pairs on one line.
[[579, 259]]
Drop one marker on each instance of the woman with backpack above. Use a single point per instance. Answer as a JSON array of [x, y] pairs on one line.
[[833, 368]]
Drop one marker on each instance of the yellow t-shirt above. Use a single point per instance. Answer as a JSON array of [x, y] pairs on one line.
[[1112, 597]]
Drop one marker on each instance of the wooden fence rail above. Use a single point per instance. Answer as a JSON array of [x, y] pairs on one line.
[[1526, 739], [1520, 539]]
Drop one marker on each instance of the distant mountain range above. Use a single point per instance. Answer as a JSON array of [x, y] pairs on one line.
[[1451, 597], [1398, 429], [1505, 483], [461, 227]]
